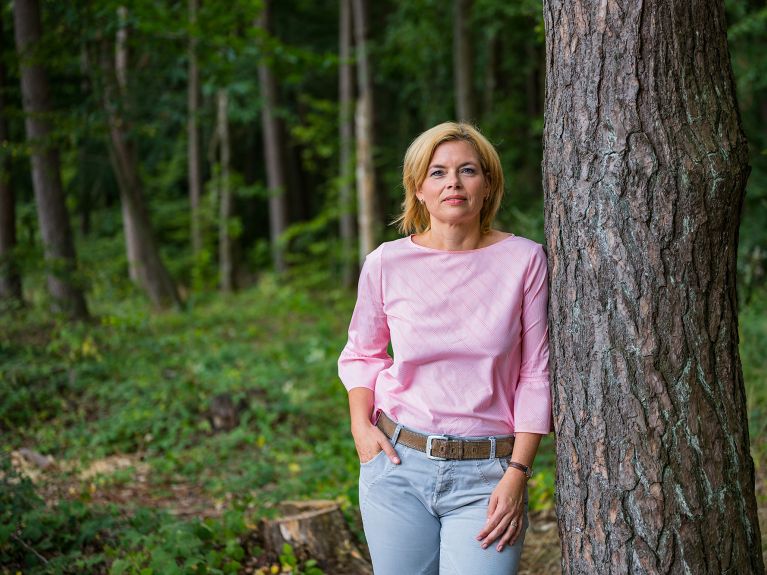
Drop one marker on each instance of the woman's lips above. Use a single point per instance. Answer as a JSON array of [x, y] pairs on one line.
[[454, 201]]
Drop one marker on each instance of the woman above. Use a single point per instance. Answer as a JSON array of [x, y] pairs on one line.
[[447, 430]]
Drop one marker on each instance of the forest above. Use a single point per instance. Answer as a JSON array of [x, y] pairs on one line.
[[187, 190]]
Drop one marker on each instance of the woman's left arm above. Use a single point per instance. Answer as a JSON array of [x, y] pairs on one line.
[[505, 511], [532, 407]]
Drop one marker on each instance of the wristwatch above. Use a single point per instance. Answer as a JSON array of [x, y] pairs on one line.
[[528, 471]]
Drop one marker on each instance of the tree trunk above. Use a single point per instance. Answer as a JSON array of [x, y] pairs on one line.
[[491, 74], [346, 140], [273, 149], [10, 278], [147, 268], [225, 194], [645, 167], [194, 158], [462, 60], [52, 212], [366, 181], [316, 530]]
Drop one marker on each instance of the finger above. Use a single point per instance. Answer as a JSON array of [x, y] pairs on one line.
[[493, 517], [509, 536], [387, 447], [496, 532]]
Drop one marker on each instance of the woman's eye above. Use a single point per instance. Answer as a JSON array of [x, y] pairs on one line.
[[436, 173], [468, 170]]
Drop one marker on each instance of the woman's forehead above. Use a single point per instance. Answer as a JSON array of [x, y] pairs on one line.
[[459, 150]]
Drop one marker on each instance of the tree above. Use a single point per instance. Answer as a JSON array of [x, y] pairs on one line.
[[194, 157], [462, 60], [645, 167], [366, 181], [146, 266], [225, 264], [52, 213], [273, 146], [346, 140], [10, 278]]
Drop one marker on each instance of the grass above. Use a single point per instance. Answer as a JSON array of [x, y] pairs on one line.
[[140, 384]]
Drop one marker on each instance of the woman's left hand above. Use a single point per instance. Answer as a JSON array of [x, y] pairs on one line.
[[505, 511]]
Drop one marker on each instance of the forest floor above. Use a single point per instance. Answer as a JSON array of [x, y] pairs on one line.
[[137, 474]]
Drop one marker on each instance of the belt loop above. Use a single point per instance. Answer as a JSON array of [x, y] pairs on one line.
[[492, 447], [395, 435]]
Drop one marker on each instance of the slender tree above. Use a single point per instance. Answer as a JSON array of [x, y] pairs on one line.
[[10, 277], [645, 167], [52, 213], [462, 60], [225, 193], [346, 141], [194, 157], [273, 145], [147, 268], [366, 181]]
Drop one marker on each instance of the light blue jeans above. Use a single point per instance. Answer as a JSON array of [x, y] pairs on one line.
[[421, 517]]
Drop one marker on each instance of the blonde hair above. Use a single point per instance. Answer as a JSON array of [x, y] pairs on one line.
[[415, 217]]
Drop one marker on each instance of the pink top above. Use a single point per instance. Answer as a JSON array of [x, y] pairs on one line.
[[469, 334]]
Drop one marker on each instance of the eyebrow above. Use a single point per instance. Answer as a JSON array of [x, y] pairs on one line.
[[460, 166]]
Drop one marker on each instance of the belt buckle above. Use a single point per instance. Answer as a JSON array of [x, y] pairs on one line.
[[429, 439]]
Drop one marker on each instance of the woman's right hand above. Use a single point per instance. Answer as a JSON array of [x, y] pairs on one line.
[[369, 441]]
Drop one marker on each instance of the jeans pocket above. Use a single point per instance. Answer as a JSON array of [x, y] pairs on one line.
[[371, 461]]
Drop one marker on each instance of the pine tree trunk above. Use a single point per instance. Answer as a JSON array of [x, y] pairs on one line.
[[366, 181], [346, 140], [52, 211], [645, 167], [273, 150], [225, 193], [194, 157], [146, 266], [462, 60], [10, 278]]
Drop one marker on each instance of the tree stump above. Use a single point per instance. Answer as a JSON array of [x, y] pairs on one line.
[[316, 530]]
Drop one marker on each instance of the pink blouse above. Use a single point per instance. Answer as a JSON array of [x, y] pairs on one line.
[[469, 336]]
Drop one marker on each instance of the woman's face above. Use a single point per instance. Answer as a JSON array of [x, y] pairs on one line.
[[455, 186]]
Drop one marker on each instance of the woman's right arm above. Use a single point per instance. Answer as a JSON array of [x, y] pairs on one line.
[[368, 439], [364, 357]]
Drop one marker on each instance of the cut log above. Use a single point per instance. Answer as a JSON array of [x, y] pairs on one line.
[[316, 530]]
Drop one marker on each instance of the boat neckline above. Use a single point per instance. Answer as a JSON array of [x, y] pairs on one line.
[[410, 240]]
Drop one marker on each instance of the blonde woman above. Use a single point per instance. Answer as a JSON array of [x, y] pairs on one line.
[[447, 429]]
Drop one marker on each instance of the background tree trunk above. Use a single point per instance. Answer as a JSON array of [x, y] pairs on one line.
[[462, 60], [194, 158], [346, 140], [273, 148], [10, 278], [52, 211], [645, 167], [147, 268], [225, 193], [366, 181]]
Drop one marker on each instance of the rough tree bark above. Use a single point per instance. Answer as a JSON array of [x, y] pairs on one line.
[[462, 60], [52, 213], [225, 266], [346, 140], [645, 166], [366, 181], [146, 266], [194, 156], [273, 147], [10, 277]]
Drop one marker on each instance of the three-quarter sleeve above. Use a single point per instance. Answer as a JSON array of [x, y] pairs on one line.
[[365, 354], [532, 398]]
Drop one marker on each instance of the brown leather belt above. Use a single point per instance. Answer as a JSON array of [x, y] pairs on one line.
[[443, 447]]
